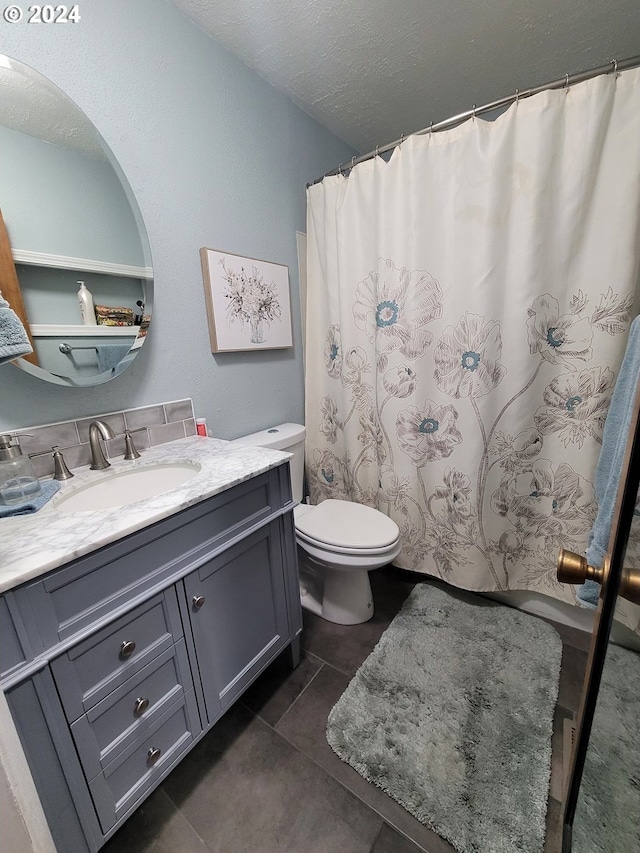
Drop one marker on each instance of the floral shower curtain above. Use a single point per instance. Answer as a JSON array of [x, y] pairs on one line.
[[468, 308]]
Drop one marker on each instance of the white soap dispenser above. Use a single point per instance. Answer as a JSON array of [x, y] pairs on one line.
[[86, 305], [18, 483]]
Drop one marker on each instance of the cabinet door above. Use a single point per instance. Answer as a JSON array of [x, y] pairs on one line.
[[238, 616]]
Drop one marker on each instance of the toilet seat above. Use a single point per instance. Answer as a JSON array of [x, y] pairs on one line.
[[345, 527]]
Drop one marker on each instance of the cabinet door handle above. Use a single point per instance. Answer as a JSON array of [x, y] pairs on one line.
[[127, 649], [140, 707], [153, 755], [198, 601]]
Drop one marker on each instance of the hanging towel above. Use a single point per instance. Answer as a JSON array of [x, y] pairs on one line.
[[609, 468], [110, 356], [14, 340], [49, 488]]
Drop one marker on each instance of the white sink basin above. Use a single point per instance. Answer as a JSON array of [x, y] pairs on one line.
[[127, 487]]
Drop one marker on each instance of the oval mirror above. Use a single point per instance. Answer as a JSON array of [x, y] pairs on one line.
[[68, 216]]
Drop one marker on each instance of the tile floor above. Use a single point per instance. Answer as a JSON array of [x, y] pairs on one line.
[[264, 780]]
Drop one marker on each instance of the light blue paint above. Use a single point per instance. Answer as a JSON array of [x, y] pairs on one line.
[[51, 295], [215, 157], [62, 202]]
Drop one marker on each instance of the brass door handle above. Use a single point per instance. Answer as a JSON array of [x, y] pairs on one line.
[[572, 568]]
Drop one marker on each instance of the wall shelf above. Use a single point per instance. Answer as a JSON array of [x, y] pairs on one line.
[[46, 330], [40, 259]]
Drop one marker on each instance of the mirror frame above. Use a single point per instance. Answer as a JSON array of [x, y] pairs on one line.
[[36, 77]]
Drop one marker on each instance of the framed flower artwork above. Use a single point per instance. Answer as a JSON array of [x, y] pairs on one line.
[[248, 304]]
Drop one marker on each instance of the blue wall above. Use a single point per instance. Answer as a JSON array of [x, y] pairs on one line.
[[62, 202], [215, 157]]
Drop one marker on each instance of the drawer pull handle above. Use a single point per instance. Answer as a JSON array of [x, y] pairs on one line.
[[153, 755], [127, 649], [140, 707], [198, 601]]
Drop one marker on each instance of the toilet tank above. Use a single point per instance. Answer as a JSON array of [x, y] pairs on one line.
[[287, 437]]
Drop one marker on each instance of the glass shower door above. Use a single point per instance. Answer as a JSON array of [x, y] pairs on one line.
[[602, 798]]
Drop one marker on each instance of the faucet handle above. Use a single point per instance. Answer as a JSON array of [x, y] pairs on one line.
[[130, 451], [60, 470]]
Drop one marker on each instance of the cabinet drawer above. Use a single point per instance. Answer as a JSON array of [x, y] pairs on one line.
[[140, 767], [89, 671], [131, 710]]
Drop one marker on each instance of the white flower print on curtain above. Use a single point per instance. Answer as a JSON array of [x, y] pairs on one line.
[[468, 307]]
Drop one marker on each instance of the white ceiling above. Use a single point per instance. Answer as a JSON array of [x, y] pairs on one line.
[[371, 70], [32, 104]]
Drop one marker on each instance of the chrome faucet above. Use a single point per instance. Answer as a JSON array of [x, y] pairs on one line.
[[99, 429]]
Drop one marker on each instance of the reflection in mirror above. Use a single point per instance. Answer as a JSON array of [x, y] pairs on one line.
[[68, 216]]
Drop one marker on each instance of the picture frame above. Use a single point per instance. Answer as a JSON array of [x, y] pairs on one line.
[[248, 302]]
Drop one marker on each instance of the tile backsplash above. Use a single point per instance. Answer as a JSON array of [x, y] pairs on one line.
[[157, 424]]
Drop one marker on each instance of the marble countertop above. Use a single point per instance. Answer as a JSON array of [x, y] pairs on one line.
[[33, 544]]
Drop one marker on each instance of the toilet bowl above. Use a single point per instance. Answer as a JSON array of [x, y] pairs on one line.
[[339, 541]]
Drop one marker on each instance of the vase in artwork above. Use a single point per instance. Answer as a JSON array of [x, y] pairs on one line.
[[257, 330]]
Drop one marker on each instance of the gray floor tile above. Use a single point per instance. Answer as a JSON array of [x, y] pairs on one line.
[[304, 725], [390, 841], [278, 686], [346, 646], [244, 788], [156, 827]]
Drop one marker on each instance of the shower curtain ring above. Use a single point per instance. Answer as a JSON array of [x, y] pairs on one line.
[[376, 154], [401, 140], [340, 169], [473, 112], [430, 128], [566, 81], [353, 161], [614, 62], [517, 95]]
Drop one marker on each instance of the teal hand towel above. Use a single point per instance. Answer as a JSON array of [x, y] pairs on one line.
[[49, 488], [14, 340], [110, 355]]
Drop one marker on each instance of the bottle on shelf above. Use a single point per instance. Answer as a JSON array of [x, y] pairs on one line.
[[86, 305]]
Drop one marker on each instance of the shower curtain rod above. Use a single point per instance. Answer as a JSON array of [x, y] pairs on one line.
[[611, 67]]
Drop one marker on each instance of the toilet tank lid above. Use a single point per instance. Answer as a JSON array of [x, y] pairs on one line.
[[276, 437]]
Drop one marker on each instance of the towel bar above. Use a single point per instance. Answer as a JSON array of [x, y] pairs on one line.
[[67, 348]]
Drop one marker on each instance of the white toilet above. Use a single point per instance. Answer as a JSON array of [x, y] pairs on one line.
[[339, 542]]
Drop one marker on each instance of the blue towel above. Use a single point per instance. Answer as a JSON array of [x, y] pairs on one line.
[[49, 488], [14, 340], [609, 468], [110, 356]]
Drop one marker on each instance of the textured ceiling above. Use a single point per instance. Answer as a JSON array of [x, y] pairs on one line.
[[33, 105], [371, 70]]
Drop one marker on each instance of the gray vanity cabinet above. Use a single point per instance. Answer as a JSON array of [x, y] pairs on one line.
[[116, 664]]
